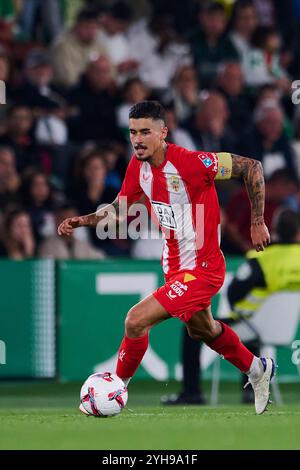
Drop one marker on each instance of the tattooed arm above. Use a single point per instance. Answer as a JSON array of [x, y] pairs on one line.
[[111, 211], [251, 171]]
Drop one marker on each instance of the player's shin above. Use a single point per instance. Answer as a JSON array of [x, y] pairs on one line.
[[232, 349], [131, 353]]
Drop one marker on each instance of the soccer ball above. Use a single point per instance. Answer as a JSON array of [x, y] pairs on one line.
[[103, 395]]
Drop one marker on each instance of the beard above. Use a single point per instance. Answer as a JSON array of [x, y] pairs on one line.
[[141, 158]]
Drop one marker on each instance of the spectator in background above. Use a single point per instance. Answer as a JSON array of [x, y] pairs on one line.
[[210, 45], [90, 191], [74, 49], [18, 135], [230, 82], [113, 35], [209, 126], [184, 92], [243, 23], [39, 200], [266, 141], [271, 93], [116, 165], [9, 179], [37, 90], [176, 134], [133, 91], [263, 61], [279, 187], [95, 100], [41, 20], [55, 247], [158, 49], [18, 242]]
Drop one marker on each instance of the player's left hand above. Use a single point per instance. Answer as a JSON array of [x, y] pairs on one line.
[[260, 236]]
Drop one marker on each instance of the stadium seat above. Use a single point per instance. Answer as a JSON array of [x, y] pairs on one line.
[[274, 324]]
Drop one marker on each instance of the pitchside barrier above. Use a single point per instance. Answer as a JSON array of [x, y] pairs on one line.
[[66, 319]]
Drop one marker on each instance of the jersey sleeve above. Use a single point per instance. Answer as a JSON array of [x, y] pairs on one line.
[[131, 184], [205, 166]]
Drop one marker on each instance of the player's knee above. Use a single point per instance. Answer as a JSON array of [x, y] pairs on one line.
[[133, 322]]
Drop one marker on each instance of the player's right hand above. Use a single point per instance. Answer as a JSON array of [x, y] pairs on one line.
[[68, 225]]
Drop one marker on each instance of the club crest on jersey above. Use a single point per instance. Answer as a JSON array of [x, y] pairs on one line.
[[174, 182]]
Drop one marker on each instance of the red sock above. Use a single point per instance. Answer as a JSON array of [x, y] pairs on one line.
[[229, 345], [131, 353]]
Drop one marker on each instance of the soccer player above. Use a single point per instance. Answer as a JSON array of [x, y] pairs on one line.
[[179, 185]]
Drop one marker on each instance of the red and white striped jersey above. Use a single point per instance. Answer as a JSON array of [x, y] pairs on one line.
[[183, 199]]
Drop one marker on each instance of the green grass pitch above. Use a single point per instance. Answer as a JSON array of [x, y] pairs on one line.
[[45, 415]]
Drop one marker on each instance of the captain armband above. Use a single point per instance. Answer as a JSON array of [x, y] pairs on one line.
[[224, 166]]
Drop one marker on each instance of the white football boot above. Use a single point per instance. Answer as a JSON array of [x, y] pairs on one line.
[[261, 387]]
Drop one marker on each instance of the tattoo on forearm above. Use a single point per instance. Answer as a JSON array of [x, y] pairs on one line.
[[252, 172], [91, 220]]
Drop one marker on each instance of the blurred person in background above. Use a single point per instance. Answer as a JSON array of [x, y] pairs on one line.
[[266, 141], [230, 82], [10, 180], [243, 23], [71, 52], [39, 199], [271, 93], [160, 52], [37, 90], [94, 100], [184, 92], [18, 135], [18, 241], [262, 64], [55, 247], [40, 20], [116, 165], [115, 23], [91, 190], [133, 91], [210, 45], [209, 126], [177, 135]]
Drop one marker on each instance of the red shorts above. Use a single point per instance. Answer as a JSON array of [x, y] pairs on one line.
[[188, 292]]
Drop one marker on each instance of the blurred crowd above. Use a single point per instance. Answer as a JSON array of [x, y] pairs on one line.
[[226, 72]]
